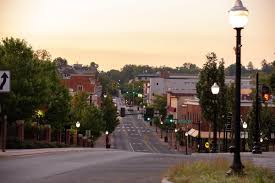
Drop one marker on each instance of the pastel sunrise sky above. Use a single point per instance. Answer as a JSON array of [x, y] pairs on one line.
[[113, 33]]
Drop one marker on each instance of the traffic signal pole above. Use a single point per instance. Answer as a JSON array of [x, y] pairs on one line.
[[257, 148]]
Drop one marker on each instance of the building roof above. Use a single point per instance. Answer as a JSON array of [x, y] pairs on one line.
[[77, 69], [182, 92]]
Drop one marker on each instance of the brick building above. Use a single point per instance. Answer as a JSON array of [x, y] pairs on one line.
[[79, 78]]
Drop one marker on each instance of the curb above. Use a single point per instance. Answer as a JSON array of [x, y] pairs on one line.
[[165, 180], [30, 153]]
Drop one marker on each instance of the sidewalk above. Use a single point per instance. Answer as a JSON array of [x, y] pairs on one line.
[[100, 142], [26, 152]]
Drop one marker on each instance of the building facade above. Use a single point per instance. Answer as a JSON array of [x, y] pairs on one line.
[[78, 78]]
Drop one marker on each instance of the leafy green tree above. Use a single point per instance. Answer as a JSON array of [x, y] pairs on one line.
[[79, 106], [222, 103], [231, 70], [30, 83], [92, 120], [131, 92], [59, 108], [109, 114], [266, 67], [159, 104], [60, 62], [211, 104], [90, 117]]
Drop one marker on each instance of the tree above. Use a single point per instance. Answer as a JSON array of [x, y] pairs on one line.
[[90, 117], [59, 108], [272, 78], [60, 62], [159, 104], [222, 103], [208, 76], [131, 92], [93, 65], [109, 114], [266, 67], [93, 121], [231, 70], [42, 55], [212, 106], [30, 79]]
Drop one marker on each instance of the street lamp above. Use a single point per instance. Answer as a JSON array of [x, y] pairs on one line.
[[40, 115], [161, 123], [256, 144], [215, 90], [238, 16], [77, 124], [176, 130], [186, 135], [107, 139], [244, 128]]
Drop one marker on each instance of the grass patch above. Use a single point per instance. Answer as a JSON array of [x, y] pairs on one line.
[[214, 171]]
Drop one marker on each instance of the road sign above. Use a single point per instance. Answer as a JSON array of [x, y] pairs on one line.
[[206, 145], [4, 81], [184, 121]]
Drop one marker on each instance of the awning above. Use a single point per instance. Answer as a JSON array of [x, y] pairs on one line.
[[205, 135], [193, 132]]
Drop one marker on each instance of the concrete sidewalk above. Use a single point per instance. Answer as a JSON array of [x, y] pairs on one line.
[[26, 152]]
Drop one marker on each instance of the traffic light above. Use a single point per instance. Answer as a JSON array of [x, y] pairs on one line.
[[149, 114], [170, 118], [265, 93]]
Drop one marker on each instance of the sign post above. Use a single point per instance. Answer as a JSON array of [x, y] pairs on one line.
[[4, 81], [4, 88]]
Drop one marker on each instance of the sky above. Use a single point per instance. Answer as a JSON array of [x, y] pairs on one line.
[[113, 33]]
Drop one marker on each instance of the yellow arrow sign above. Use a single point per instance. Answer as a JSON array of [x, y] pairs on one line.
[[206, 145]]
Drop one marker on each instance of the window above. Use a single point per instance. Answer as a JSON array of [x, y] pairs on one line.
[[157, 83], [79, 87]]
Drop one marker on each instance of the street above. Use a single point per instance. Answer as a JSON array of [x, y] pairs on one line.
[[133, 134], [97, 165], [101, 165], [137, 155]]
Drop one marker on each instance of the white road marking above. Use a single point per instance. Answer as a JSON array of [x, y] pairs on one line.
[[131, 147]]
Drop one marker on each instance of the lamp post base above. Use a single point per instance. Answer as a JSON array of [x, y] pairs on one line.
[[165, 139], [256, 148], [108, 146], [232, 172], [214, 149]]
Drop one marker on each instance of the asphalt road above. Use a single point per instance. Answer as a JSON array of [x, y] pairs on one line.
[[133, 134], [102, 166], [97, 165]]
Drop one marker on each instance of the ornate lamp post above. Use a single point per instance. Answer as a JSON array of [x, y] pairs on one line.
[[215, 90], [77, 125], [107, 140], [238, 18], [244, 140], [161, 125], [176, 130], [40, 115], [186, 149], [256, 144]]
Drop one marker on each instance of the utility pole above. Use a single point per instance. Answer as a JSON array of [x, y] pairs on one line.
[[3, 122]]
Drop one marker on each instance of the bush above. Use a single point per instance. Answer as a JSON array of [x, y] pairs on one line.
[[14, 143]]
